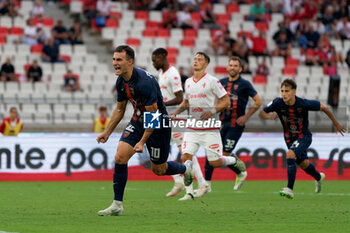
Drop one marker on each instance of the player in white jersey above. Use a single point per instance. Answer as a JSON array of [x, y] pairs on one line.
[[204, 98], [170, 85]]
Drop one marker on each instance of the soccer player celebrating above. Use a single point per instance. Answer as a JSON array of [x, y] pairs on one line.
[[234, 117], [204, 97], [12, 125], [170, 85], [142, 90], [293, 114]]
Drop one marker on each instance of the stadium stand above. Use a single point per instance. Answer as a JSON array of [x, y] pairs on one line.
[[46, 103]]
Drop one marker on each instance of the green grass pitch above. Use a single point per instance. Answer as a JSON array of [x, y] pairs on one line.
[[71, 207]]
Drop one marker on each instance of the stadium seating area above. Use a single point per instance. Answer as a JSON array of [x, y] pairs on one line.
[[47, 103]]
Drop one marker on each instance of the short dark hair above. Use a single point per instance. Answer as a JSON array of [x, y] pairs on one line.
[[160, 51], [206, 57], [289, 83], [235, 58], [13, 108], [102, 108], [130, 54]]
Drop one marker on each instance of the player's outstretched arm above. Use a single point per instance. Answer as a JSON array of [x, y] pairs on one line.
[[268, 116], [116, 117], [337, 126], [257, 104], [147, 133]]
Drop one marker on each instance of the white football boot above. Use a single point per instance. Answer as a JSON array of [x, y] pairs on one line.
[[187, 197], [178, 187], [240, 180], [287, 192], [115, 209], [319, 183], [202, 189]]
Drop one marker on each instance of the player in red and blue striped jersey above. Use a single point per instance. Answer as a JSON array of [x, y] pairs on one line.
[[293, 114], [143, 91], [234, 118]]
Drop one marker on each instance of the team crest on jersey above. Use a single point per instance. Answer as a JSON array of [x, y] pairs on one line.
[[235, 87], [132, 91], [203, 85], [126, 134], [299, 110]]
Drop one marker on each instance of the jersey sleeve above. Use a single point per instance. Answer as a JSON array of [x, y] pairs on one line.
[[218, 89], [312, 105], [250, 90], [121, 96], [149, 91], [271, 107], [175, 81]]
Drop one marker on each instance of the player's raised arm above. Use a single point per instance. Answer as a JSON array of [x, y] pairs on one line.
[[116, 117], [147, 133], [337, 126], [257, 104]]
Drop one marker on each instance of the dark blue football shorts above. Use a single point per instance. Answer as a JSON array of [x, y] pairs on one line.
[[158, 144]]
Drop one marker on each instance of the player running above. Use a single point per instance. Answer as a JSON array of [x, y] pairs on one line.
[[204, 98], [293, 114], [169, 81], [234, 117], [142, 90]]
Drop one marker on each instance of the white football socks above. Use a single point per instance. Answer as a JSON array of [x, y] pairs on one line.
[[228, 160], [198, 172]]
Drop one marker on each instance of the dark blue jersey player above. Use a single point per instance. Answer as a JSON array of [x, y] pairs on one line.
[[293, 114], [234, 118], [143, 91]]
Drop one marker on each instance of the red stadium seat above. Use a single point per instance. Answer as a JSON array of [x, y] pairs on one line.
[[223, 19], [262, 26], [36, 49], [171, 60], [232, 8], [66, 2], [188, 42], [66, 58], [292, 62], [259, 79], [152, 24], [111, 23], [150, 33], [289, 70], [48, 22], [133, 42], [143, 15], [115, 14], [2, 39], [220, 69], [172, 51], [26, 67], [196, 16], [4, 31], [190, 34], [16, 31], [165, 33]]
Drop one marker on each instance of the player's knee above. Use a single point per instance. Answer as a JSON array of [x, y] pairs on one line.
[[158, 171], [304, 164], [290, 155], [120, 160]]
